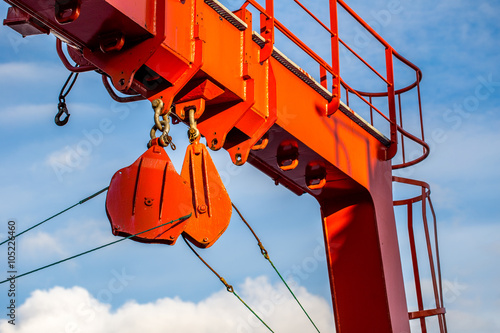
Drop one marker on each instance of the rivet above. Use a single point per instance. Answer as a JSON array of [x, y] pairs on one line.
[[202, 209]]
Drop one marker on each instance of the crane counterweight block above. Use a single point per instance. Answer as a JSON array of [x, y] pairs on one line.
[[211, 203], [146, 194]]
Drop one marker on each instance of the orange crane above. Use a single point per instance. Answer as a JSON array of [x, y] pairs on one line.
[[204, 65]]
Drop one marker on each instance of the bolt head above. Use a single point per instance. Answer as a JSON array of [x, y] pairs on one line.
[[202, 209]]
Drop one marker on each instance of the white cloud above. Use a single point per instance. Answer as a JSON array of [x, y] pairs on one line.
[[68, 158], [467, 321], [76, 310], [42, 244]]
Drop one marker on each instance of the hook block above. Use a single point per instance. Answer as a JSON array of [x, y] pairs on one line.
[[146, 194], [211, 203]]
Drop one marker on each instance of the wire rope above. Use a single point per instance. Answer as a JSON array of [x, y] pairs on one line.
[[96, 248], [228, 286], [61, 212], [266, 256]]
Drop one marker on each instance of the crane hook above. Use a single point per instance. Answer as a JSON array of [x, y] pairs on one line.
[[62, 109]]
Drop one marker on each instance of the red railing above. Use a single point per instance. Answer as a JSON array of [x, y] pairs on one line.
[[432, 254], [391, 116]]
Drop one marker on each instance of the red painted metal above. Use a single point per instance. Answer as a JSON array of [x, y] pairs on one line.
[[146, 194], [426, 313], [253, 101], [67, 11], [24, 23], [75, 69], [210, 201], [432, 249]]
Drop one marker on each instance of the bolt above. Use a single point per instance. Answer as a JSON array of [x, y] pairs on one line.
[[148, 201], [172, 237], [202, 209], [205, 240]]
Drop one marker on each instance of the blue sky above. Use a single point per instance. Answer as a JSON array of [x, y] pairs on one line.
[[455, 43]]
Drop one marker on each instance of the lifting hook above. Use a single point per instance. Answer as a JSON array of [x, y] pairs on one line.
[[62, 109]]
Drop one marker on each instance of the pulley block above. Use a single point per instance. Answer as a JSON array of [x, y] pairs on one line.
[[211, 204], [146, 194]]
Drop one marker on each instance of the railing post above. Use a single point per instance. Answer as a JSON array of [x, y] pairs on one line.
[[334, 104], [391, 99], [267, 30]]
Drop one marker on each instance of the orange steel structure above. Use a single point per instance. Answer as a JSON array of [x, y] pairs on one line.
[[252, 100]]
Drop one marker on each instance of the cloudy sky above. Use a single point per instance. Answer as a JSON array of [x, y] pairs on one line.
[[156, 288]]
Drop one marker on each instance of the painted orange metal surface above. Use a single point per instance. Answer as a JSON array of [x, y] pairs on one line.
[[210, 201], [253, 101], [146, 194]]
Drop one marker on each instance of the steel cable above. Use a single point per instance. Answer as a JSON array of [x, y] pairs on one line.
[[97, 248], [62, 211], [266, 256], [228, 286]]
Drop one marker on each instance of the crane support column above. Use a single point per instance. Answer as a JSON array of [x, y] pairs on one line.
[[364, 264]]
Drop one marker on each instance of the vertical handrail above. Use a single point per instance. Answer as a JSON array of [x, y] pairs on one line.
[[267, 22], [334, 40], [442, 321], [403, 154], [420, 110], [437, 296], [391, 103], [414, 259], [433, 255]]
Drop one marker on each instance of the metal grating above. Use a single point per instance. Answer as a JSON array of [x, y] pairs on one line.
[[226, 14]]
